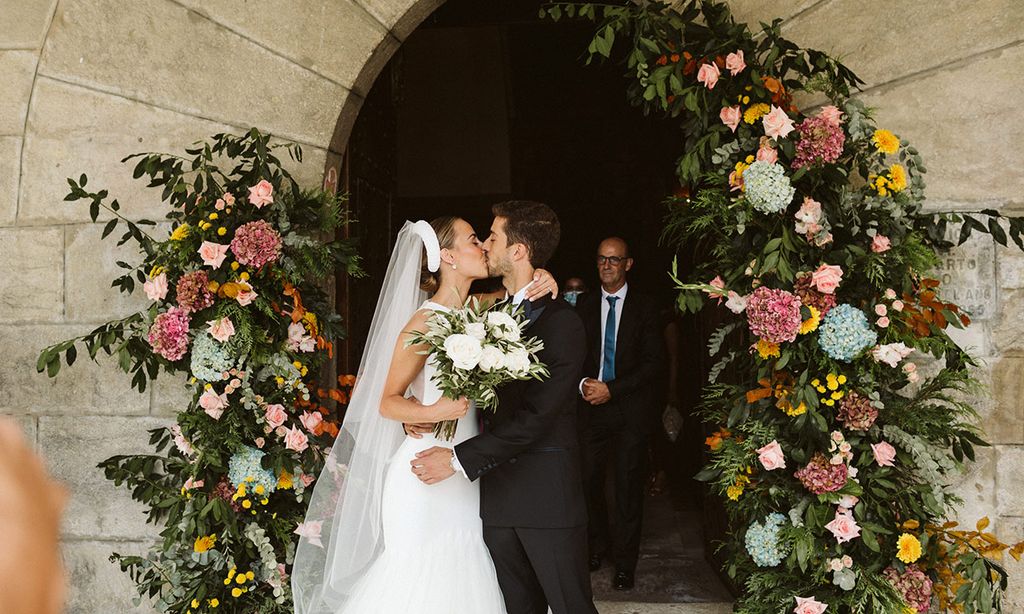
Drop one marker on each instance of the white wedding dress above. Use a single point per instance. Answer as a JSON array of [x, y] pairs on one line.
[[434, 559]]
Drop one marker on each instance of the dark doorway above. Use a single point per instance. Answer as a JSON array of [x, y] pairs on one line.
[[486, 102]]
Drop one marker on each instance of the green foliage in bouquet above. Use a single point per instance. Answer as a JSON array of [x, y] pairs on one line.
[[239, 308], [835, 452], [477, 349]]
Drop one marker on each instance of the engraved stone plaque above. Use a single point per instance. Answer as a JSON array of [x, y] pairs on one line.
[[967, 273]]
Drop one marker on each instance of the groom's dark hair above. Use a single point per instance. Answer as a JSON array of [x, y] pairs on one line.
[[533, 224]]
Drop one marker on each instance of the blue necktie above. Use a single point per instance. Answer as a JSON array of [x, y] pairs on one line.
[[608, 364]]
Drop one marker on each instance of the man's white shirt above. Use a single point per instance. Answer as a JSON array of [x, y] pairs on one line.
[[605, 306]]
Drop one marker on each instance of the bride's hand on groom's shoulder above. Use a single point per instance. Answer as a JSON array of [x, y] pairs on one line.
[[543, 283], [433, 465]]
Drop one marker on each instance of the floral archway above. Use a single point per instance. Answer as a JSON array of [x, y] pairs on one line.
[[834, 448]]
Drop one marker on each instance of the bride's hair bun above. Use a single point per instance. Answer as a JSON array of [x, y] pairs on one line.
[[444, 228]]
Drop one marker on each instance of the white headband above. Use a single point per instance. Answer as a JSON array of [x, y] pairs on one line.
[[426, 232]]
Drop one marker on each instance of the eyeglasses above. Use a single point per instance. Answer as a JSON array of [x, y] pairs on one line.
[[613, 260]]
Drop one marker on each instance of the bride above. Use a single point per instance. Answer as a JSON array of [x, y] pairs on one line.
[[376, 539]]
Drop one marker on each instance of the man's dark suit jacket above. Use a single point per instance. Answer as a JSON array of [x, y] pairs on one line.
[[527, 456], [639, 356]]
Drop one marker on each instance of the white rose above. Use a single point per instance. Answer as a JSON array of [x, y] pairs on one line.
[[464, 351], [503, 326], [891, 354], [477, 330], [492, 358], [518, 361]]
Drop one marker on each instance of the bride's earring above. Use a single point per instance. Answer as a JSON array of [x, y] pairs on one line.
[[454, 267]]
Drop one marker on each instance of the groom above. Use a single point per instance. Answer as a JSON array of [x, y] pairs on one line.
[[527, 457]]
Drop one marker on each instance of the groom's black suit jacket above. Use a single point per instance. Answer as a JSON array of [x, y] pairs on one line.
[[527, 456]]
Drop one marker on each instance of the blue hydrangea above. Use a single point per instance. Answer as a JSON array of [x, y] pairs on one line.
[[767, 187], [210, 358], [762, 541], [845, 333], [244, 466]]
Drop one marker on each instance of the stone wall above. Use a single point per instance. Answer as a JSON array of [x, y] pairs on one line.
[[89, 81]]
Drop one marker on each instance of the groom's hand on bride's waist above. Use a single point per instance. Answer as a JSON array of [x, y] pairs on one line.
[[433, 465]]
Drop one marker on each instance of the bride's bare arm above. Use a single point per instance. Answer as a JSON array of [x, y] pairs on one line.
[[406, 364], [543, 283]]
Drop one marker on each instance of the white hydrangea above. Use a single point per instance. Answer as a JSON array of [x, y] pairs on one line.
[[767, 187]]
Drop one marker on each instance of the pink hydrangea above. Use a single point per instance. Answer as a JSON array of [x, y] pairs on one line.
[[821, 142], [774, 315], [820, 476], [169, 334], [913, 584], [256, 244], [193, 293]]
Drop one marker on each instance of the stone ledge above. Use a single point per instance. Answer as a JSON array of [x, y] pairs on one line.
[[627, 607]]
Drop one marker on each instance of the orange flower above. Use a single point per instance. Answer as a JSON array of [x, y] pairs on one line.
[[347, 380], [674, 58], [662, 60], [715, 440]]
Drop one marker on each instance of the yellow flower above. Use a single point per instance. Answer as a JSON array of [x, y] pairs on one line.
[[897, 178], [234, 266], [767, 349], [259, 489], [212, 286], [791, 411], [830, 402], [296, 364], [908, 549], [811, 323], [815, 382], [195, 603], [204, 543], [250, 575], [746, 100], [264, 501], [734, 492], [242, 578], [213, 215], [837, 395], [236, 592], [180, 232], [214, 602], [885, 141], [285, 480], [841, 379], [156, 270], [243, 276], [755, 112], [246, 504], [222, 231]]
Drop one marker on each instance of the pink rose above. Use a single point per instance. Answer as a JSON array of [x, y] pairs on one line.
[[219, 205], [777, 124], [306, 479], [156, 287], [275, 415], [245, 294], [880, 244], [311, 420], [294, 439], [261, 194], [771, 456], [191, 483], [213, 404], [213, 254], [260, 442], [768, 154], [890, 293], [882, 322], [848, 501], [897, 305], [880, 309], [832, 114], [731, 116], [311, 531], [827, 277], [843, 527], [734, 63], [708, 75], [808, 605], [229, 198], [221, 329], [884, 454]]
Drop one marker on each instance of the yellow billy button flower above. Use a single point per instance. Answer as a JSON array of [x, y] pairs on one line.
[[204, 543], [841, 379], [246, 504], [222, 231], [212, 286], [250, 575], [236, 592], [908, 548], [242, 578], [259, 489], [234, 266], [213, 215], [243, 276], [214, 602]]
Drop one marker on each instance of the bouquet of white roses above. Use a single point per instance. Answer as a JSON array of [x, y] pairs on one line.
[[475, 350]]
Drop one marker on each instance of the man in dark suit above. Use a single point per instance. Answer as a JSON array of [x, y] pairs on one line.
[[625, 354], [527, 456]]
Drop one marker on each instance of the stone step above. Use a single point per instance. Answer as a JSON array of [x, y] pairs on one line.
[[628, 607]]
